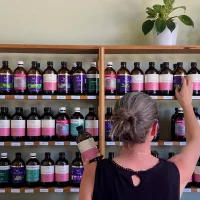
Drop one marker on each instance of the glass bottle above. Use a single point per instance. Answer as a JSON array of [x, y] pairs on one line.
[[77, 170], [20, 76], [4, 124], [157, 136], [34, 80], [64, 81], [166, 80], [92, 124], [194, 75], [6, 79], [39, 69], [110, 80], [108, 124], [161, 67], [49, 79], [71, 76], [62, 125], [33, 171], [137, 78], [197, 174], [33, 125], [174, 67], [123, 80], [79, 80], [111, 155], [93, 80], [4, 170], [18, 124], [47, 171], [173, 124], [18, 171], [170, 155], [62, 171], [48, 125], [76, 120], [197, 114]]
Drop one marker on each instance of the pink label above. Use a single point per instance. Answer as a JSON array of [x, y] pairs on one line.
[[62, 177], [47, 178], [110, 81], [92, 131], [48, 131], [90, 153], [196, 85], [17, 131], [197, 177], [151, 86], [137, 87], [33, 131], [49, 86], [166, 86], [4, 131]]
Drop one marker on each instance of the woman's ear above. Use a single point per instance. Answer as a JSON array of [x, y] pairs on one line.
[[154, 129]]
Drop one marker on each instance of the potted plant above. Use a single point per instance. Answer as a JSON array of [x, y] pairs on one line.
[[163, 24]]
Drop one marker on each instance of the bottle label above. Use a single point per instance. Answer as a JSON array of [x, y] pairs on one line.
[[123, 83], [64, 82], [20, 81], [151, 82], [196, 81], [166, 82], [180, 128], [74, 123], [77, 173], [110, 81], [93, 83], [33, 127], [4, 174], [6, 82], [48, 127], [177, 81], [49, 81], [137, 82], [79, 82], [88, 149], [47, 174], [197, 174], [34, 83], [92, 127], [32, 173], [62, 127], [4, 127], [17, 174], [61, 173], [18, 127], [108, 127]]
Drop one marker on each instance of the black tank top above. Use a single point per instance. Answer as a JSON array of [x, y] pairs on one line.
[[113, 182]]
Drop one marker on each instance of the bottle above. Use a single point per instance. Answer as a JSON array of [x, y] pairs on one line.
[[194, 75], [157, 136], [33, 125], [64, 81], [108, 123], [62, 171], [71, 76], [170, 155], [48, 125], [87, 146], [20, 76], [76, 120], [4, 170], [92, 124], [180, 126], [173, 124], [18, 171], [161, 67], [174, 67], [93, 80], [111, 155], [38, 67], [166, 80], [155, 154], [18, 124], [137, 78], [197, 174], [33, 171], [49, 79], [152, 80], [197, 114], [79, 80], [123, 80], [178, 73], [47, 171], [4, 124], [77, 170], [34, 80], [62, 125], [6, 79], [110, 80]]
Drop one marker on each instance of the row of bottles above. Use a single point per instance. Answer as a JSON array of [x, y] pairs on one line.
[[49, 82], [46, 127], [153, 81]]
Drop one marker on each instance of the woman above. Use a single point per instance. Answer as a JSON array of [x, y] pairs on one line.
[[136, 174]]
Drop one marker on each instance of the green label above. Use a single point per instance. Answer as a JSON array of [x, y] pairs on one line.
[[93, 82], [74, 123], [32, 173], [4, 174]]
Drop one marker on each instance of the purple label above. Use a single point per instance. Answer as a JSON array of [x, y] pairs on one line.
[[108, 127], [77, 173], [34, 83], [6, 82], [180, 128], [123, 83], [64, 83], [177, 81], [17, 174], [79, 82]]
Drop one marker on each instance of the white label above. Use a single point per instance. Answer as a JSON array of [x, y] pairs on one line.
[[91, 123], [196, 97], [75, 97], [59, 143], [33, 167], [182, 143], [120, 97], [62, 169], [2, 191], [32, 97], [194, 77], [110, 143], [166, 78], [19, 96], [197, 170], [167, 97], [50, 78], [121, 143], [58, 190], [33, 123], [15, 190], [74, 190], [198, 190], [1, 143], [91, 97], [154, 97], [47, 169], [110, 97], [48, 123], [17, 123], [86, 145], [92, 75], [2, 96], [29, 190], [4, 123], [15, 144], [44, 190], [168, 143], [29, 143], [43, 143], [153, 78], [154, 143], [5, 167], [46, 97], [73, 143], [61, 97], [137, 78], [187, 190]]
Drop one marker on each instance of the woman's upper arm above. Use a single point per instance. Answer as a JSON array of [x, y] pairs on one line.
[[87, 182]]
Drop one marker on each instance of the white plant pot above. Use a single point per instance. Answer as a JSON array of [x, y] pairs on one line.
[[166, 37]]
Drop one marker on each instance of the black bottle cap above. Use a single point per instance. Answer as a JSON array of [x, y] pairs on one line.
[[161, 66], [62, 154], [123, 63], [47, 153], [152, 63], [47, 109], [18, 154], [38, 65], [171, 154], [79, 129], [109, 109], [174, 66], [137, 64], [193, 64], [4, 109], [176, 109], [179, 63], [34, 63], [5, 62], [155, 154], [166, 64], [19, 109], [91, 109], [33, 109], [79, 64], [63, 63]]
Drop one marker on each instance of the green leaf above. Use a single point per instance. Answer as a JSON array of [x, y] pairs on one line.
[[147, 26], [183, 7], [169, 2], [170, 25], [151, 12], [186, 20], [157, 8], [160, 25]]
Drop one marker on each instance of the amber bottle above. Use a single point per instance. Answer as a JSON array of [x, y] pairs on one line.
[[110, 80]]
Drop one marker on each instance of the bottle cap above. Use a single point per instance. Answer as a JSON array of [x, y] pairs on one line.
[[110, 64], [123, 63], [5, 62], [152, 63], [47, 153], [47, 109], [111, 154], [73, 64], [63, 63], [62, 154], [136, 63], [193, 64], [49, 63], [38, 65], [19, 109], [32, 154], [34, 109], [20, 63], [171, 154], [180, 63], [4, 109], [176, 109], [180, 109], [34, 63], [77, 109], [18, 154], [4, 155], [174, 66], [78, 154], [78, 64], [195, 109], [93, 64], [62, 109], [91, 109], [166, 63], [109, 109]]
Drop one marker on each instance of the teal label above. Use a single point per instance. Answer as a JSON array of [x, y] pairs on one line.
[[74, 123], [4, 174], [32, 173], [93, 83]]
